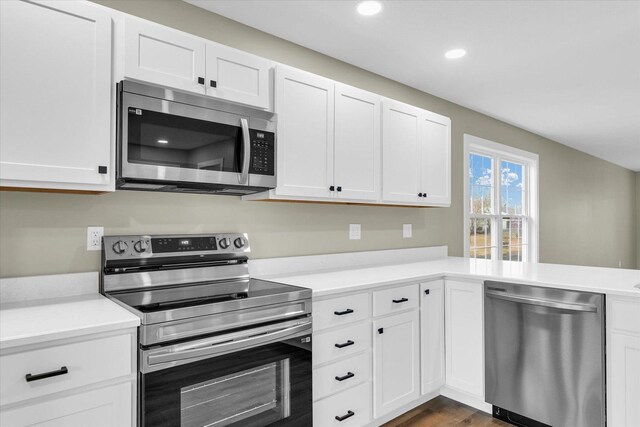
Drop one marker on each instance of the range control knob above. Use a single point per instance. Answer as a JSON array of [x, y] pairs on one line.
[[141, 246], [224, 242], [120, 247], [239, 242]]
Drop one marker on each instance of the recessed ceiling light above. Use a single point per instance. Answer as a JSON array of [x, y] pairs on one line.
[[455, 53], [163, 141], [369, 7]]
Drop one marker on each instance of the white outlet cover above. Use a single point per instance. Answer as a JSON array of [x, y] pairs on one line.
[[406, 231], [94, 238], [354, 232]]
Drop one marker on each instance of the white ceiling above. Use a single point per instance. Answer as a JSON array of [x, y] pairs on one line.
[[566, 70]]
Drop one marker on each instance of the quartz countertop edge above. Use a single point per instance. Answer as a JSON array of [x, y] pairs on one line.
[[609, 281], [37, 322]]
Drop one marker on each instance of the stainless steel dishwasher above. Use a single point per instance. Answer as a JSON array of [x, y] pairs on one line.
[[544, 355]]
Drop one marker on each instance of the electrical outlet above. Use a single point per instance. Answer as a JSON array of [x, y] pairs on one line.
[[94, 238], [354, 231], [406, 231]]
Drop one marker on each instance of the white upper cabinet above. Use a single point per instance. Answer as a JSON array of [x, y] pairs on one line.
[[416, 155], [56, 104], [400, 152], [164, 56], [167, 57], [435, 159], [357, 144], [237, 76], [305, 105]]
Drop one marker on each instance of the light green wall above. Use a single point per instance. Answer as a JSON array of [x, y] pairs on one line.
[[586, 204]]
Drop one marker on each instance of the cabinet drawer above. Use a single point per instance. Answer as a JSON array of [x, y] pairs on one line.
[[623, 314], [356, 400], [86, 362], [340, 311], [342, 375], [395, 299], [329, 346]]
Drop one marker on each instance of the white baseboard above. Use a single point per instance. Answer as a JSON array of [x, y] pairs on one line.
[[467, 399]]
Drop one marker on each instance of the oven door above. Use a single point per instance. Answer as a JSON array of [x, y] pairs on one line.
[[162, 140], [256, 377]]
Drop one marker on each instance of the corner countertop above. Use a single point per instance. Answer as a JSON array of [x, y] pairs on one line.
[[610, 281], [39, 321]]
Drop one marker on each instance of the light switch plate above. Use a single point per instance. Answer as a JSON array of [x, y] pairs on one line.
[[354, 231], [94, 238], [406, 231]]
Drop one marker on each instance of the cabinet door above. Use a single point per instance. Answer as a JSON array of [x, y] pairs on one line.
[[164, 56], [55, 109], [108, 407], [400, 142], [435, 159], [432, 335], [357, 144], [304, 104], [396, 352], [624, 361], [238, 76], [464, 336]]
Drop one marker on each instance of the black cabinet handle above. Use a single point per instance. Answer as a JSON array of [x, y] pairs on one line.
[[424, 195], [346, 377], [102, 170], [200, 80], [213, 83], [346, 344], [426, 291], [419, 194], [342, 313], [37, 377], [380, 330], [398, 301], [349, 414], [339, 188], [332, 188]]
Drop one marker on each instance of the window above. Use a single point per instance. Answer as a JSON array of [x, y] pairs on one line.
[[501, 201]]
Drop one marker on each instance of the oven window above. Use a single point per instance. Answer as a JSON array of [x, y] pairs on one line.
[[229, 399], [169, 140], [266, 385]]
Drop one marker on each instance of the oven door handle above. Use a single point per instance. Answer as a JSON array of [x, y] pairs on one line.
[[246, 153], [221, 344]]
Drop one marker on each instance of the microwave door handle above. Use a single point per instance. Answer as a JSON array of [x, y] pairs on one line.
[[225, 346], [246, 153]]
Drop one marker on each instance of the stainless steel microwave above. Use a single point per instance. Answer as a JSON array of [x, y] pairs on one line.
[[172, 141]]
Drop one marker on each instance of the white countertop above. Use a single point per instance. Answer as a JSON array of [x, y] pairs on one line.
[[610, 281]]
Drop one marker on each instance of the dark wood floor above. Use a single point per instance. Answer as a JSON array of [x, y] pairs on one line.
[[444, 412]]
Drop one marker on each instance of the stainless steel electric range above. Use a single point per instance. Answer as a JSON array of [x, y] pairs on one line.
[[216, 347]]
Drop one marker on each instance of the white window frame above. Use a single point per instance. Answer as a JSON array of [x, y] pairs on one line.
[[500, 152]]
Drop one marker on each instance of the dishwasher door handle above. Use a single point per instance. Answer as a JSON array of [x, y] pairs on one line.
[[589, 308]]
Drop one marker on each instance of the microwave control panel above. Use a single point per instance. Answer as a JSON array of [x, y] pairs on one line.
[[262, 153]]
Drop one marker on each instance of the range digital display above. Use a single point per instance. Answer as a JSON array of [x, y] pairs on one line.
[[170, 244]]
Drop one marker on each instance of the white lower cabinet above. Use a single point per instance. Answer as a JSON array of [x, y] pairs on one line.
[[109, 407], [348, 408], [464, 337], [396, 350], [432, 335], [623, 361], [76, 382]]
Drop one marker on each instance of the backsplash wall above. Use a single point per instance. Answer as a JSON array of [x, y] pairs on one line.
[[587, 205]]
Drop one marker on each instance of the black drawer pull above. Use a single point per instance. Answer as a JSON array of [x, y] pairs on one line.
[[341, 313], [346, 377], [346, 344], [349, 414], [398, 301], [200, 80], [37, 377], [213, 83], [426, 291], [381, 330]]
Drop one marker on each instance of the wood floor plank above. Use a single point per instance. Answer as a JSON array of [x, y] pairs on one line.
[[444, 412]]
